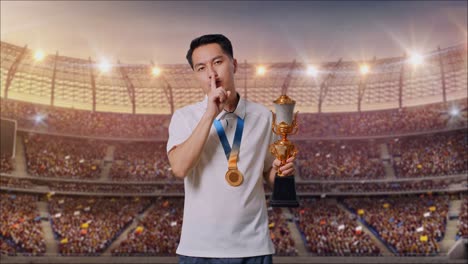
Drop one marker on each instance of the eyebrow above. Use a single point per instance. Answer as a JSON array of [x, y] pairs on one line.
[[202, 63]]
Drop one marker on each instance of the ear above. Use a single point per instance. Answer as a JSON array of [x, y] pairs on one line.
[[234, 61]]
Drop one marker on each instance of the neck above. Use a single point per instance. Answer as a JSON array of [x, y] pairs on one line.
[[231, 104]]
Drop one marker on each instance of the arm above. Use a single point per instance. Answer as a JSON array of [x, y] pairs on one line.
[[185, 156]]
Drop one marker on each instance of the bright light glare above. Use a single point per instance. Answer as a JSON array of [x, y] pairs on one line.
[[39, 118], [261, 70], [312, 71], [416, 59], [39, 55], [454, 111], [155, 71], [364, 69], [104, 66]]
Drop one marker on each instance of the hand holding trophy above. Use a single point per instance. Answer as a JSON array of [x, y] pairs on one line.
[[284, 124]]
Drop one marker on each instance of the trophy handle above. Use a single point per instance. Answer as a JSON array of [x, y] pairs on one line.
[[273, 127], [294, 123], [294, 152], [273, 150]]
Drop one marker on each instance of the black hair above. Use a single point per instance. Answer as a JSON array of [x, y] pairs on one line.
[[219, 39]]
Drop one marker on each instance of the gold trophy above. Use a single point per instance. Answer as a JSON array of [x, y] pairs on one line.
[[284, 124]]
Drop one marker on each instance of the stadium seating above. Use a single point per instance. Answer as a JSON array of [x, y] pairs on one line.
[[20, 230], [409, 225]]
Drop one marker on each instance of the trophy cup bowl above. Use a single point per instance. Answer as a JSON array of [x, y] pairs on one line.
[[284, 124]]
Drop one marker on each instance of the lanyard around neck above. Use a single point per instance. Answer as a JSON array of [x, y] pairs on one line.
[[231, 154]]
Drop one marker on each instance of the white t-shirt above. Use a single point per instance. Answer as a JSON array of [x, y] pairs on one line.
[[221, 220]]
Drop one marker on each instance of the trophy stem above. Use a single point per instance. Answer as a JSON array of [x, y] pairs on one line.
[[284, 137]]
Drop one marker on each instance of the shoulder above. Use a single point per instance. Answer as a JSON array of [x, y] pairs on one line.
[[188, 111], [190, 108], [257, 109]]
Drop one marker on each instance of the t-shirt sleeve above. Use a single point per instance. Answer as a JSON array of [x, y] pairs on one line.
[[179, 131], [269, 158]]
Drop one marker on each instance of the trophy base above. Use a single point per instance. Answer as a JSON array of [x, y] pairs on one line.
[[284, 192]]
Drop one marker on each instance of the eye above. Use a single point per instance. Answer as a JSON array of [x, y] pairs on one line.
[[217, 62], [201, 68]]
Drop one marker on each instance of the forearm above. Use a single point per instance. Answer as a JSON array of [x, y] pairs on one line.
[[185, 156]]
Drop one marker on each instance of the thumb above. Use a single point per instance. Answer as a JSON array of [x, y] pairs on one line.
[[276, 163]]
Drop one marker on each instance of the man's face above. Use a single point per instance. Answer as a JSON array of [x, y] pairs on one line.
[[209, 61]]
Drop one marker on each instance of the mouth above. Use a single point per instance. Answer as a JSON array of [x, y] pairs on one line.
[[218, 83]]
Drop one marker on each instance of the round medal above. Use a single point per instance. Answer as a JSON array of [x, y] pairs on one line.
[[234, 177]]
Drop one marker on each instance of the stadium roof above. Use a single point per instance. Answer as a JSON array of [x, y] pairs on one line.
[[339, 86]]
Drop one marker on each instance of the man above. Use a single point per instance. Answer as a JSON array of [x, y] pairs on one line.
[[220, 147]]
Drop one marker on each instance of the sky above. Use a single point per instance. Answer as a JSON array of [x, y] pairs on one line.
[[261, 31]]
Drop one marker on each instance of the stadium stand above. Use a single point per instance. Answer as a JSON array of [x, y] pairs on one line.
[[329, 231], [140, 161], [73, 158], [408, 225], [20, 231], [463, 220], [6, 164], [87, 225], [332, 160], [430, 154]]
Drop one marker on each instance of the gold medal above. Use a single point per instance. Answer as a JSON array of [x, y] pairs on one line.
[[234, 177]]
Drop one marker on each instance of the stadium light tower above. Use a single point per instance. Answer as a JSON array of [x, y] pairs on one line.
[[104, 66], [416, 59], [39, 55], [312, 71], [261, 70]]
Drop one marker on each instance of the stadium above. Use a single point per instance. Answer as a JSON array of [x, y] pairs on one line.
[[381, 172]]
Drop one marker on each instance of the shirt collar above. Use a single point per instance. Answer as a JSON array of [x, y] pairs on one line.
[[239, 111]]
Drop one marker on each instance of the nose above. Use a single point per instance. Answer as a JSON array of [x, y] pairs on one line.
[[212, 72]]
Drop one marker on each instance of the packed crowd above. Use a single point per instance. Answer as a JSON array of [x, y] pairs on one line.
[[70, 158], [6, 164], [368, 187], [178, 188], [6, 248], [158, 233], [410, 225], [166, 188], [330, 231], [103, 188], [280, 233], [314, 187], [463, 220], [88, 225], [385, 122], [140, 161], [13, 182], [334, 160], [430, 155], [83, 122], [425, 185], [20, 228]]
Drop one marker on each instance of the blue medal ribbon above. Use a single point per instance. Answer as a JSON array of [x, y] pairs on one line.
[[231, 154]]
